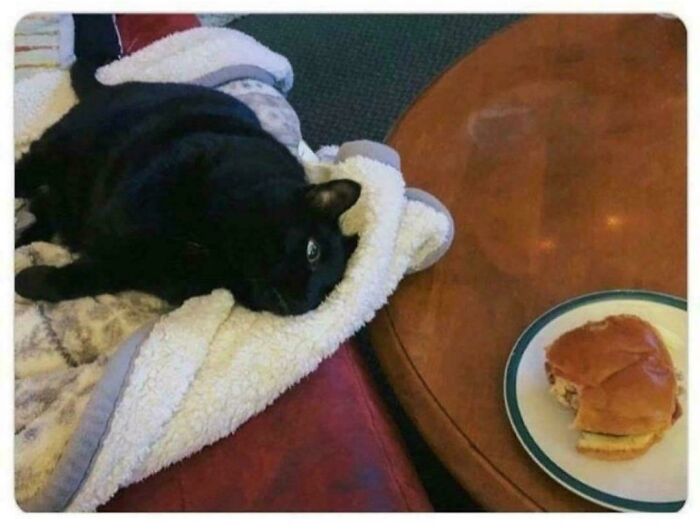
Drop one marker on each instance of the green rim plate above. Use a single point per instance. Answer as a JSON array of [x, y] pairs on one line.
[[540, 457]]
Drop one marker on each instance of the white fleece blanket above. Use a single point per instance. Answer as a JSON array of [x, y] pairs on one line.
[[215, 57], [101, 406]]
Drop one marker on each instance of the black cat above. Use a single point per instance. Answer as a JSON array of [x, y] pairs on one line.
[[176, 190]]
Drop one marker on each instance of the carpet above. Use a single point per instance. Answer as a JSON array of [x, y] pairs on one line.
[[355, 74]]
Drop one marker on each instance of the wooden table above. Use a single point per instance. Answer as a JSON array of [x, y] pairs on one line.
[[559, 146]]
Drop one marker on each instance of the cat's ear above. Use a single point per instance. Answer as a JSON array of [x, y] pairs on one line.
[[332, 198]]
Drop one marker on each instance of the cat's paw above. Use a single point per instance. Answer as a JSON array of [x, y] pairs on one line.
[[38, 283]]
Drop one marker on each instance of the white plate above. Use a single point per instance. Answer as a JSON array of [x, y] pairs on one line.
[[656, 481]]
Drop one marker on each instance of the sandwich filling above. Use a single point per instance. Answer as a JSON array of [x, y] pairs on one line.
[[567, 394]]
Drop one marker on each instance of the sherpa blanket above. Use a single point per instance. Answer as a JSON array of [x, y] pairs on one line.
[[111, 389], [215, 57]]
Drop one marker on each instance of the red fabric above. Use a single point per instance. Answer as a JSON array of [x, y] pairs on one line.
[[137, 31], [327, 444]]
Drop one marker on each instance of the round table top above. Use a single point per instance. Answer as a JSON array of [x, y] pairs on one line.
[[559, 146]]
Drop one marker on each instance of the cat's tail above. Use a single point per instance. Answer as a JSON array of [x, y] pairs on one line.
[[82, 76], [96, 43]]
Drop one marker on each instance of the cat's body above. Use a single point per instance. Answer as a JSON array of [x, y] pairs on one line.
[[176, 190]]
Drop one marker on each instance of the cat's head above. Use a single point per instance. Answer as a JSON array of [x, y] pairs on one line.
[[287, 252]]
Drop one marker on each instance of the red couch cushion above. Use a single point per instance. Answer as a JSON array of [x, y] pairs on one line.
[[327, 444], [137, 31]]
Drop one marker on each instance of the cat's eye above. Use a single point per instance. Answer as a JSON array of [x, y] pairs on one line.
[[313, 251]]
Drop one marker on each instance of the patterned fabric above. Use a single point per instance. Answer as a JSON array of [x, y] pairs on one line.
[[60, 353], [273, 110], [218, 19], [42, 42]]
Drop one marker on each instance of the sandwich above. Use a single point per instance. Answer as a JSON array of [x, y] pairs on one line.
[[618, 376]]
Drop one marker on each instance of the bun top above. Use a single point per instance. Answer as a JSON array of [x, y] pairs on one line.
[[623, 372]]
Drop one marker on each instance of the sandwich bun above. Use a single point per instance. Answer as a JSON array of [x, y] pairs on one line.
[[618, 376]]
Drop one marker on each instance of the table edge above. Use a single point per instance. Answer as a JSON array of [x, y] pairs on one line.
[[469, 474]]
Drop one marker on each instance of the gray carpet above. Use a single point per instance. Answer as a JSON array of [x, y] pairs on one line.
[[355, 74]]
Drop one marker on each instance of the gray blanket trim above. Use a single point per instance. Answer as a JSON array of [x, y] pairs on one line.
[[372, 150], [74, 465], [416, 194], [387, 155], [235, 72]]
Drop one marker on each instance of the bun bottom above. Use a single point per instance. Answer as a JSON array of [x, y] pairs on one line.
[[605, 455], [615, 448]]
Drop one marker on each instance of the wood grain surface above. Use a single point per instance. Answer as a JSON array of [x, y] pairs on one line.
[[559, 146]]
